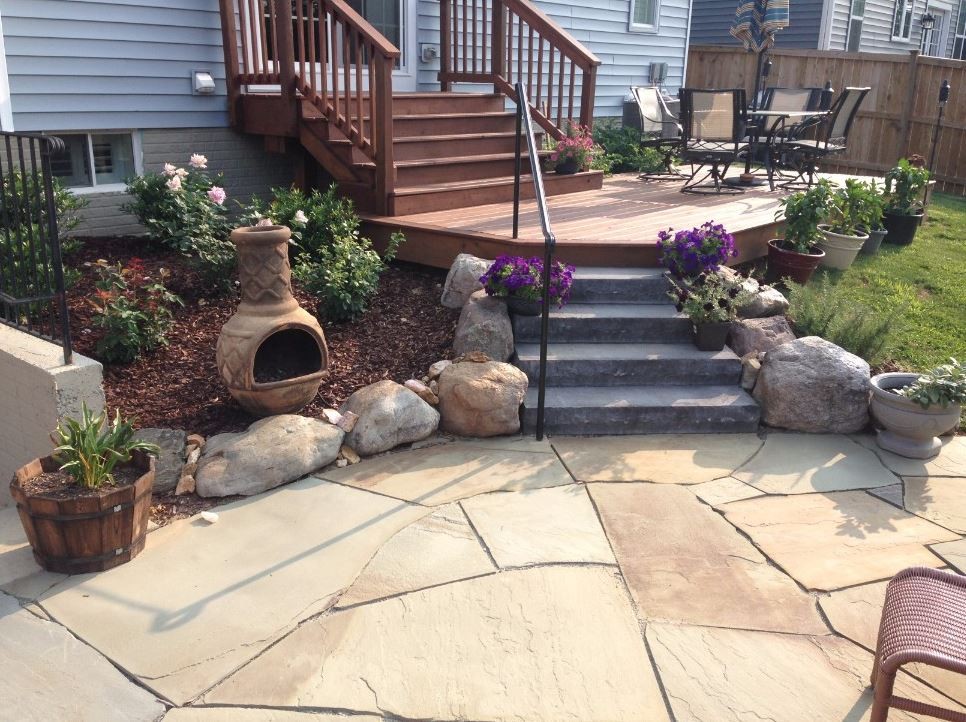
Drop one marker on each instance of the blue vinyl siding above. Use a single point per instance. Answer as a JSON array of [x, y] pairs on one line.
[[102, 64], [711, 21]]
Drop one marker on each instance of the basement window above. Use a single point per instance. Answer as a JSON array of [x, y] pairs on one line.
[[95, 162], [644, 14]]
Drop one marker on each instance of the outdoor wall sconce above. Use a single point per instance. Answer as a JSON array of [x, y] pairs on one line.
[[928, 21]]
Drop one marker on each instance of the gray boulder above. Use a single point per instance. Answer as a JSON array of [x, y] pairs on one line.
[[759, 334], [463, 279], [273, 451], [171, 460], [484, 325], [767, 301], [481, 399], [389, 415], [813, 385]]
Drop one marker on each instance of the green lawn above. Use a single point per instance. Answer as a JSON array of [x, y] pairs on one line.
[[922, 285]]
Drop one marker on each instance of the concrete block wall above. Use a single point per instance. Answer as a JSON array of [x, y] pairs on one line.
[[247, 167], [36, 390]]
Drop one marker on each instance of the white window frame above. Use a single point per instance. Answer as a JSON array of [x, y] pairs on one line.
[[959, 32], [6, 108], [908, 8], [105, 187], [643, 27], [853, 18]]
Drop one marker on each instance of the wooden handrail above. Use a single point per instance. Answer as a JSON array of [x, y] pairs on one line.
[[549, 29], [350, 17]]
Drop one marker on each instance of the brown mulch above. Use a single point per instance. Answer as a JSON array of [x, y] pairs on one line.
[[60, 485]]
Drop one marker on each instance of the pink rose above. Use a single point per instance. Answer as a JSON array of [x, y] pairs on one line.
[[198, 161], [217, 195], [174, 183]]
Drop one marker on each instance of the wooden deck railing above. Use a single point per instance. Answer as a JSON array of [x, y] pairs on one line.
[[504, 42]]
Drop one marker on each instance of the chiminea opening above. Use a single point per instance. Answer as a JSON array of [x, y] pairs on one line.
[[287, 354]]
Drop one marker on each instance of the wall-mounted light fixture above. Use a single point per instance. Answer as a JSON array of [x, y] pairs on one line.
[[202, 82], [928, 21]]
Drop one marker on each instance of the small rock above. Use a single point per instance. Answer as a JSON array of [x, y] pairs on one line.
[[476, 357], [389, 415], [749, 373], [189, 469], [349, 454], [341, 463], [194, 441], [484, 325], [193, 457], [463, 279], [168, 465], [186, 485], [209, 516], [481, 399], [332, 416], [434, 386], [348, 421], [759, 334], [437, 368], [425, 379], [423, 391]]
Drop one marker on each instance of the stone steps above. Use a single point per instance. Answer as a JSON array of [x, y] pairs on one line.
[[608, 323], [619, 285]]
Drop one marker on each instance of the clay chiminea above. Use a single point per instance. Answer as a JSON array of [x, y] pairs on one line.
[[271, 354]]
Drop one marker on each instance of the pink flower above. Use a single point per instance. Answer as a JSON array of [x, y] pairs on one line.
[[168, 169], [181, 173], [174, 183], [198, 161], [265, 222], [217, 195]]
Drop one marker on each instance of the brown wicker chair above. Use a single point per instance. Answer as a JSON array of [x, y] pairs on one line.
[[924, 621]]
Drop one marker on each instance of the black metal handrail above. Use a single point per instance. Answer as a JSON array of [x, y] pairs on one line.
[[32, 294], [525, 123]]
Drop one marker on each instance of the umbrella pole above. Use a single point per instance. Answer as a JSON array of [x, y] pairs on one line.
[[748, 178]]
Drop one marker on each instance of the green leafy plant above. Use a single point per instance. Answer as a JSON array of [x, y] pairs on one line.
[[622, 150], [709, 297], [853, 208], [316, 219], [876, 201], [905, 185], [944, 385], [803, 212], [90, 449], [133, 310], [184, 210], [821, 309]]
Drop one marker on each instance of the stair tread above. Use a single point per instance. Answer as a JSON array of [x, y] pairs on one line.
[[451, 137], [622, 352], [604, 273], [459, 159], [430, 116], [642, 397], [617, 310], [476, 183]]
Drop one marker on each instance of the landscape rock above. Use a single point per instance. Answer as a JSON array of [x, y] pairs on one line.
[[463, 279], [349, 454], [434, 386], [423, 391], [759, 334], [767, 301], [271, 452], [168, 466], [186, 485], [437, 368], [750, 367], [813, 385], [332, 416], [348, 421], [481, 399], [474, 357], [194, 441], [484, 325], [389, 415]]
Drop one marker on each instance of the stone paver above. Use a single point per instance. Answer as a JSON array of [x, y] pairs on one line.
[[855, 613], [891, 494], [203, 599], [240, 714], [723, 491], [684, 563], [544, 644], [438, 548], [48, 675], [954, 553], [951, 461], [806, 463], [540, 527], [829, 541], [728, 675], [662, 458], [446, 473], [942, 500], [19, 573]]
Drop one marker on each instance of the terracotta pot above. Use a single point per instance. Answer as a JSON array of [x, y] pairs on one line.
[[523, 306], [840, 250], [901, 228], [910, 430], [85, 534], [567, 167], [871, 246], [710, 336], [788, 264]]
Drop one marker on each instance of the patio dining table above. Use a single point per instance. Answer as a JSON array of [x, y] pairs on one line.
[[774, 125]]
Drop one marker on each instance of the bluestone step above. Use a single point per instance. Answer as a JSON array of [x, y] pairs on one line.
[[634, 364], [607, 323], [596, 410], [619, 285]]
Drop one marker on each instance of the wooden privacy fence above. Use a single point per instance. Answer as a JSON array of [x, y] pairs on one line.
[[897, 118]]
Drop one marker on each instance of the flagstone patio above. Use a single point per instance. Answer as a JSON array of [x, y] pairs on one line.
[[706, 578]]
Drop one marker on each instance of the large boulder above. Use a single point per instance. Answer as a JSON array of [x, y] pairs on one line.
[[463, 279], [767, 301], [485, 326], [813, 385], [389, 415], [171, 459], [759, 334], [481, 399], [273, 451]]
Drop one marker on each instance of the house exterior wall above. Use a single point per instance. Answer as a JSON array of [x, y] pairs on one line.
[[711, 21], [877, 26]]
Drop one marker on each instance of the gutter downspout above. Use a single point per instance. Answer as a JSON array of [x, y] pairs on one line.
[[687, 46]]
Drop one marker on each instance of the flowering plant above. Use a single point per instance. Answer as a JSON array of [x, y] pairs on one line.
[[905, 184], [709, 297], [132, 308], [687, 254], [523, 278], [578, 146]]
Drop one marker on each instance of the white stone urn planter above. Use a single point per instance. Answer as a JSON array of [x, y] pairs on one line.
[[840, 251], [910, 430]]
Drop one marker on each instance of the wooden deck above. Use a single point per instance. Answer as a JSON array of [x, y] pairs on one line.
[[614, 226]]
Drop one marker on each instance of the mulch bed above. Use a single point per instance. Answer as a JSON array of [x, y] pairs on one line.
[[178, 386]]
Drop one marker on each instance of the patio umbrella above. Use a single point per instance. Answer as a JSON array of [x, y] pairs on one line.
[[755, 25]]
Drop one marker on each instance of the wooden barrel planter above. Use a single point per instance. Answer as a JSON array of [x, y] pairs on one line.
[[88, 533]]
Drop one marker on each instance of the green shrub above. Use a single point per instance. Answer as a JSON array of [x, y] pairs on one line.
[[623, 151], [316, 219], [821, 309]]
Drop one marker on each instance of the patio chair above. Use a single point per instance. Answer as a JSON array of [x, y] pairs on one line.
[[795, 99], [713, 126], [659, 130], [802, 155], [924, 622]]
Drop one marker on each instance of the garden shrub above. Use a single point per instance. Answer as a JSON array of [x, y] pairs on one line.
[[184, 210], [623, 151], [821, 309]]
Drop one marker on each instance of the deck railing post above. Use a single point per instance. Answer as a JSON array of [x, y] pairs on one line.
[[497, 43], [382, 132], [284, 47], [445, 44], [229, 41], [588, 89]]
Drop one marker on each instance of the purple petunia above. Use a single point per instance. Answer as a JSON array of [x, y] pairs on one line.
[[523, 278], [687, 254]]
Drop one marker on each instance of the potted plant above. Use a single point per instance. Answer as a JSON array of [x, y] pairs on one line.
[[519, 281], [905, 185], [915, 409], [85, 507], [711, 301], [574, 152], [849, 213], [796, 256], [688, 254], [877, 231]]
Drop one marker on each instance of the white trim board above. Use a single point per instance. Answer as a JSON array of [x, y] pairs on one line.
[[6, 109]]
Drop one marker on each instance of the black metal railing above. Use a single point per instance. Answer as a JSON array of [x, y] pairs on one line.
[[32, 296], [525, 130]]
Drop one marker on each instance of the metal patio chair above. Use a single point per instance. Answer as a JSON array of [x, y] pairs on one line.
[[660, 130], [713, 125]]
